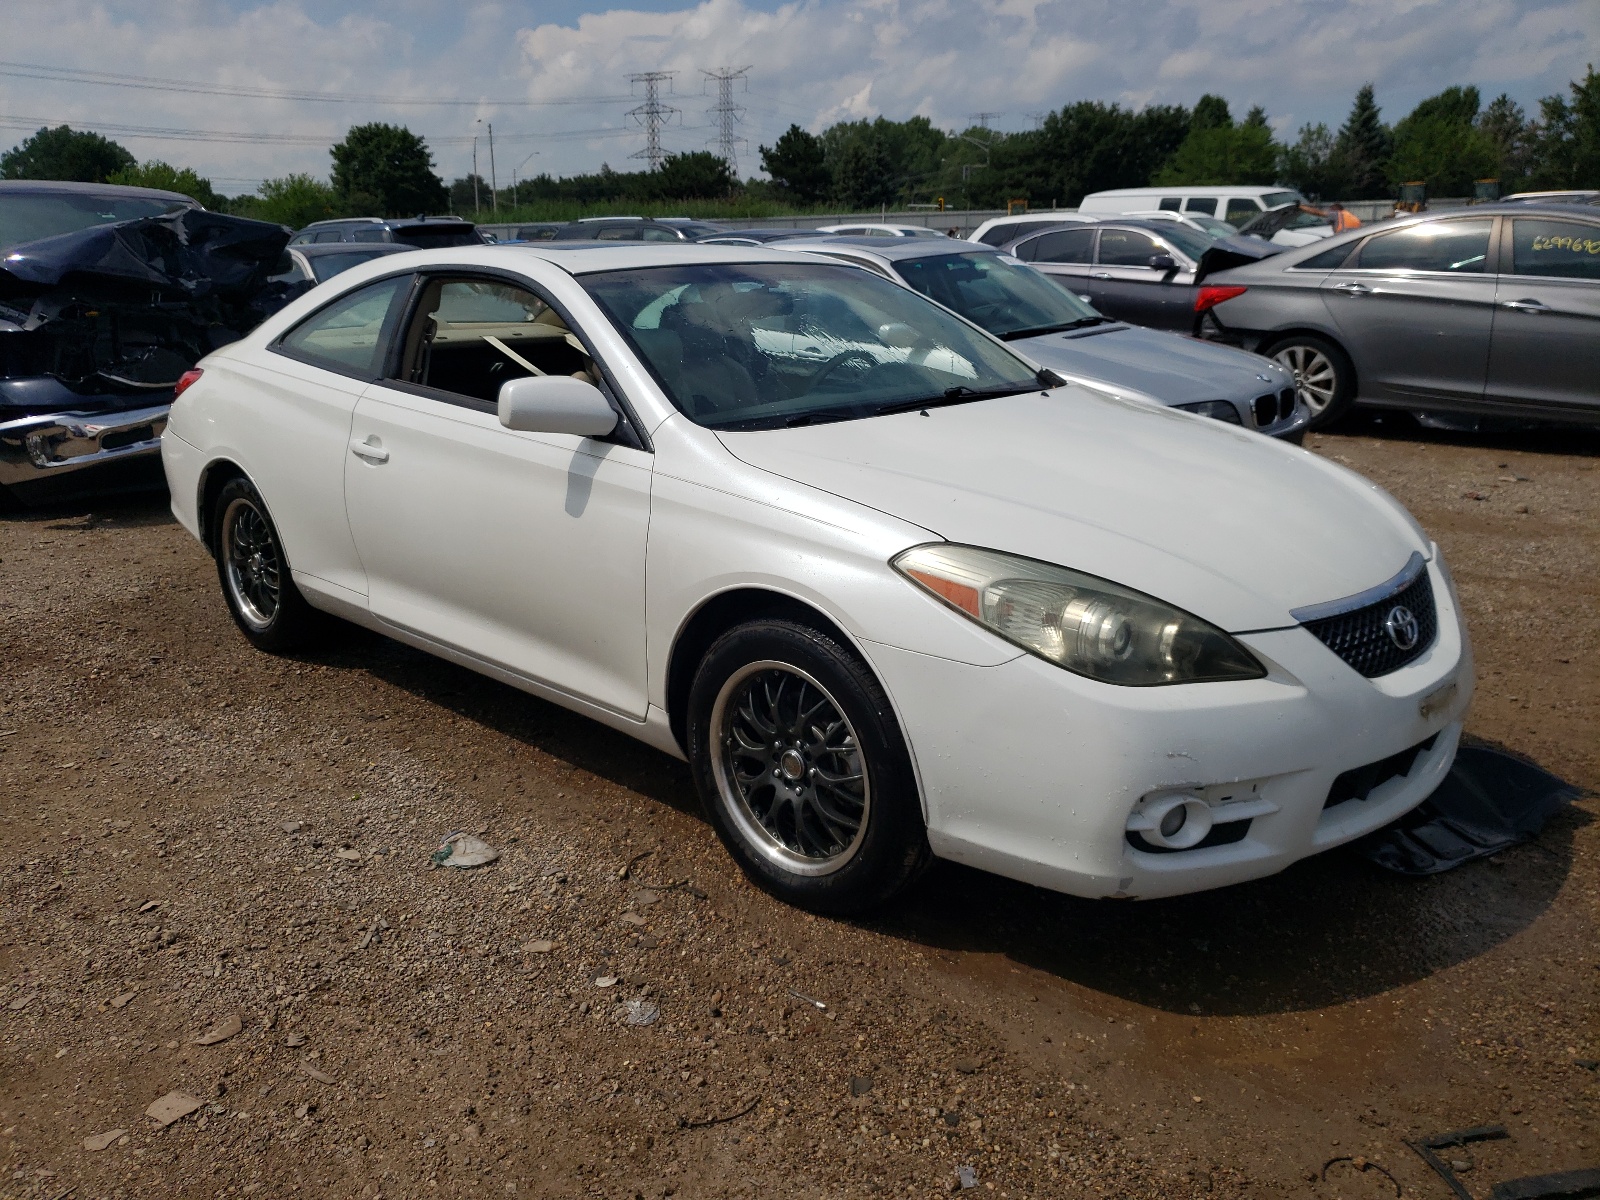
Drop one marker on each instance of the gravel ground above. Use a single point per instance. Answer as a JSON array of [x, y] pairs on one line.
[[193, 834]]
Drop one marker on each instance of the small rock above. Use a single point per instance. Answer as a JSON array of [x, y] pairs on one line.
[[541, 947], [860, 1085], [22, 1002], [149, 906], [607, 981], [232, 1027], [631, 918], [295, 1039], [1460, 1164], [967, 1177], [645, 898], [642, 1012], [172, 1107], [1521, 508], [348, 855], [122, 1000], [319, 1076], [464, 850], [100, 1141], [290, 826], [967, 1066]]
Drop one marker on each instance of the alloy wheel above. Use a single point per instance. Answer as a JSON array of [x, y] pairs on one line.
[[789, 768], [1315, 377], [252, 564]]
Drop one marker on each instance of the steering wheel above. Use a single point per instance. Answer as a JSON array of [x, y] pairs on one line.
[[839, 360]]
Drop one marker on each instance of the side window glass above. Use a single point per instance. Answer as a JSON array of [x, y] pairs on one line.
[[618, 233], [369, 235], [1199, 204], [1171, 203], [470, 336], [1460, 247], [1067, 246], [286, 270], [651, 233], [347, 335], [1126, 248], [1327, 260], [999, 235], [1559, 249], [1241, 209], [330, 235]]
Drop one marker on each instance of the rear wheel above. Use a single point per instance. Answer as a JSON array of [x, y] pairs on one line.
[[802, 769], [254, 573], [1323, 376]]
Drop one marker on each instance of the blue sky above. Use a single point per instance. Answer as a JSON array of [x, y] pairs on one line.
[[566, 63]]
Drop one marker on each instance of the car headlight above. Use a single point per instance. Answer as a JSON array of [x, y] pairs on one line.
[[1088, 625], [1220, 410]]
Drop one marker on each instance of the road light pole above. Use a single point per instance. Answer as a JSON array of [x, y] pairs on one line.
[[516, 199], [474, 178], [494, 194]]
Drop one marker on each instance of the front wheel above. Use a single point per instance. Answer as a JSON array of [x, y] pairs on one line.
[[802, 769], [1324, 377], [254, 573]]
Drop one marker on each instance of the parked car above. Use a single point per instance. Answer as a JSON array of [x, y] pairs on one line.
[[1489, 311], [997, 231], [1146, 272], [417, 233], [890, 596], [1233, 204], [635, 229], [1290, 225], [1579, 196], [758, 237], [1055, 329], [539, 231], [320, 262], [1213, 227], [882, 229], [107, 296]]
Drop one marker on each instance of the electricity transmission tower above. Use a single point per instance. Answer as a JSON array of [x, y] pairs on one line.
[[983, 118], [652, 114], [727, 113]]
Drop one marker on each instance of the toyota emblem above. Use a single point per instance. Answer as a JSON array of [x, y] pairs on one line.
[[1401, 626]]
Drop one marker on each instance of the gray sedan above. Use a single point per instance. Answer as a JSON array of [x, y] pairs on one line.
[[1488, 312], [1058, 330]]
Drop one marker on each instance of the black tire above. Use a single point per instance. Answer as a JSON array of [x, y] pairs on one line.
[[254, 573], [784, 808], [1324, 376]]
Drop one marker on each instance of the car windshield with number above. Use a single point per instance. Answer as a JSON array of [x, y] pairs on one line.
[[768, 345]]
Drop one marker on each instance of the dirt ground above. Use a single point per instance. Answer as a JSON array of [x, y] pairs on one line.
[[191, 831]]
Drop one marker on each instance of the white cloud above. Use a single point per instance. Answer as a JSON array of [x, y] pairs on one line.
[[813, 62]]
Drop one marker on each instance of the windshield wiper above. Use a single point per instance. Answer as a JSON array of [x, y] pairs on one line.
[[1040, 330], [960, 394]]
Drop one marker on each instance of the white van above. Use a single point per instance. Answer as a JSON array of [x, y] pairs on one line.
[[1235, 205]]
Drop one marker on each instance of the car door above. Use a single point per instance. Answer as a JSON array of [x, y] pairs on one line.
[[1067, 256], [524, 551], [1124, 285], [1545, 348], [297, 423], [1414, 308]]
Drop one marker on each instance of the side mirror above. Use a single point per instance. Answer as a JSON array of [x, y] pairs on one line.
[[555, 404], [1163, 262]]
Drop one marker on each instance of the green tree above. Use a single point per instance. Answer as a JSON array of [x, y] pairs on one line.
[[1439, 143], [1506, 125], [1312, 166], [469, 193], [293, 200], [65, 153], [1361, 151], [700, 175], [167, 178], [1216, 151], [798, 164], [387, 167], [862, 174]]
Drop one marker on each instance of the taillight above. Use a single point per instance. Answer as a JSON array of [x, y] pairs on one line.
[[186, 381], [1210, 297]]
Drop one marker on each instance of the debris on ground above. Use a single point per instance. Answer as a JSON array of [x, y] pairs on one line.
[[816, 1004], [860, 1085], [641, 1012], [540, 947], [1425, 1148], [320, 1076], [100, 1141], [232, 1027], [605, 981], [1363, 1165], [1564, 1185], [1489, 802], [464, 850], [684, 1123], [966, 1177], [174, 1106]]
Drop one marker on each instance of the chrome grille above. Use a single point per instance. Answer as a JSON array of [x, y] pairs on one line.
[[1361, 636]]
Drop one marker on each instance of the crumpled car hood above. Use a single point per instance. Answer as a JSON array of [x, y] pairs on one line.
[[1172, 369], [1229, 525]]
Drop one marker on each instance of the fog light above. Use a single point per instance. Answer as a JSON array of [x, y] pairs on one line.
[[1174, 821]]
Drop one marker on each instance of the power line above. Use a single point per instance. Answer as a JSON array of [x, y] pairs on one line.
[[983, 118], [727, 114], [157, 133], [652, 114], [194, 87]]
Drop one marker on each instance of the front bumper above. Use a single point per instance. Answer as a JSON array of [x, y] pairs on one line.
[[1031, 772], [41, 451]]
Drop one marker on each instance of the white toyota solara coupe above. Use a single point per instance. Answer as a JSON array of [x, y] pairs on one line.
[[908, 599]]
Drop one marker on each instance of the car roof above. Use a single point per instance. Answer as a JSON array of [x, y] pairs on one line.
[[899, 249], [582, 258], [72, 187], [1231, 189], [318, 249]]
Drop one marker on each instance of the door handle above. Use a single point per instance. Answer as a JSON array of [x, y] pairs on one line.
[[370, 450], [1099, 274], [1527, 306], [1353, 289]]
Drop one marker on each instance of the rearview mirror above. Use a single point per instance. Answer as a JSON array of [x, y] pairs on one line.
[[1163, 262], [555, 404]]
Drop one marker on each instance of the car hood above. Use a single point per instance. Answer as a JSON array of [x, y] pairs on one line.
[[1231, 526], [1163, 366]]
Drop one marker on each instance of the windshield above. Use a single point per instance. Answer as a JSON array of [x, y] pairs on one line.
[[425, 238], [29, 216], [326, 266], [1273, 199], [764, 345], [1187, 241], [1214, 226], [1004, 297]]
